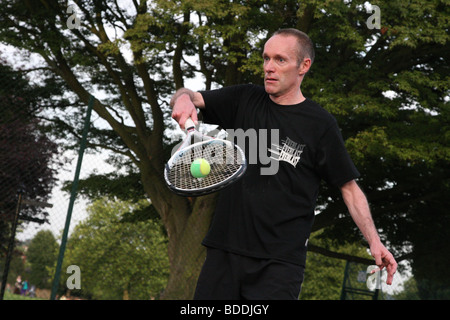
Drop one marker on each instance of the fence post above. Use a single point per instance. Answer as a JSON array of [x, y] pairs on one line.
[[73, 193]]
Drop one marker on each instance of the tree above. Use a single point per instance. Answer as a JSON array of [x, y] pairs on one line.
[[394, 113], [41, 255], [409, 292], [119, 258], [27, 163], [17, 265], [388, 88]]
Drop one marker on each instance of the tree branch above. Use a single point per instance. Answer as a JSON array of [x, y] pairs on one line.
[[348, 257], [338, 255]]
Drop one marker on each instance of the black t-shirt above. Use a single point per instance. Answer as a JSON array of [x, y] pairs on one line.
[[269, 212]]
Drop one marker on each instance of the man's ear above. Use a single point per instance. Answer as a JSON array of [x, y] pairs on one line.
[[304, 66]]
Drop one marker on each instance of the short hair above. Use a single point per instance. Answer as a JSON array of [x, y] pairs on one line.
[[305, 45]]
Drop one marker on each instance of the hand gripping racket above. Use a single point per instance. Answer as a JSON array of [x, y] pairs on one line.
[[227, 164]]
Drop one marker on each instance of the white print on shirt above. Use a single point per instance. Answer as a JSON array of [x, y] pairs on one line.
[[255, 142], [289, 152]]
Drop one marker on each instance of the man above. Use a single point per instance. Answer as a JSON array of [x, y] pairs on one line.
[[257, 243]]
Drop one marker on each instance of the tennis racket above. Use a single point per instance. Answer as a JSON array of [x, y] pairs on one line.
[[226, 160]]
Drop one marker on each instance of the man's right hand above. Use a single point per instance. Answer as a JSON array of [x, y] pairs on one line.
[[183, 109], [184, 104]]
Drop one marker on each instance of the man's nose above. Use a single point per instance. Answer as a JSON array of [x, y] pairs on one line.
[[268, 66]]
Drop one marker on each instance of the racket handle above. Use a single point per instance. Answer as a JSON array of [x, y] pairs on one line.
[[189, 124]]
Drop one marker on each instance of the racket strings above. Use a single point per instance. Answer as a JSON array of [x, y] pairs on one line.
[[224, 160]]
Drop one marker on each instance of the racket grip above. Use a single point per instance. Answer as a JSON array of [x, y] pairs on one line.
[[189, 124]]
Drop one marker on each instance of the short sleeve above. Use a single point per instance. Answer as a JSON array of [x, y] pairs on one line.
[[333, 161]]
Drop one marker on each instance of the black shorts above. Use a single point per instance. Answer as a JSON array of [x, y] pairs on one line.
[[228, 276]]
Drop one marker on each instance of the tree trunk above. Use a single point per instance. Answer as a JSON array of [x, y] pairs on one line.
[[186, 254]]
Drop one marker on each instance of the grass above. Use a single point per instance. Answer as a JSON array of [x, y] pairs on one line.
[[12, 296]]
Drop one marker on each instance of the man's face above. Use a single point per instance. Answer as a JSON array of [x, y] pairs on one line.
[[282, 73]]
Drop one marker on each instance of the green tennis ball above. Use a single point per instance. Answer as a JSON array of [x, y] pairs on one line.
[[200, 168]]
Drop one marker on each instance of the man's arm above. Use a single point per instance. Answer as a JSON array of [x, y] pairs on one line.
[[184, 103], [358, 207]]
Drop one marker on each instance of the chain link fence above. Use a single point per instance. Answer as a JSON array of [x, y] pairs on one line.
[[360, 284], [54, 242]]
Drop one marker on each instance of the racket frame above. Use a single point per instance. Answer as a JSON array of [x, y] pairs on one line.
[[186, 146]]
